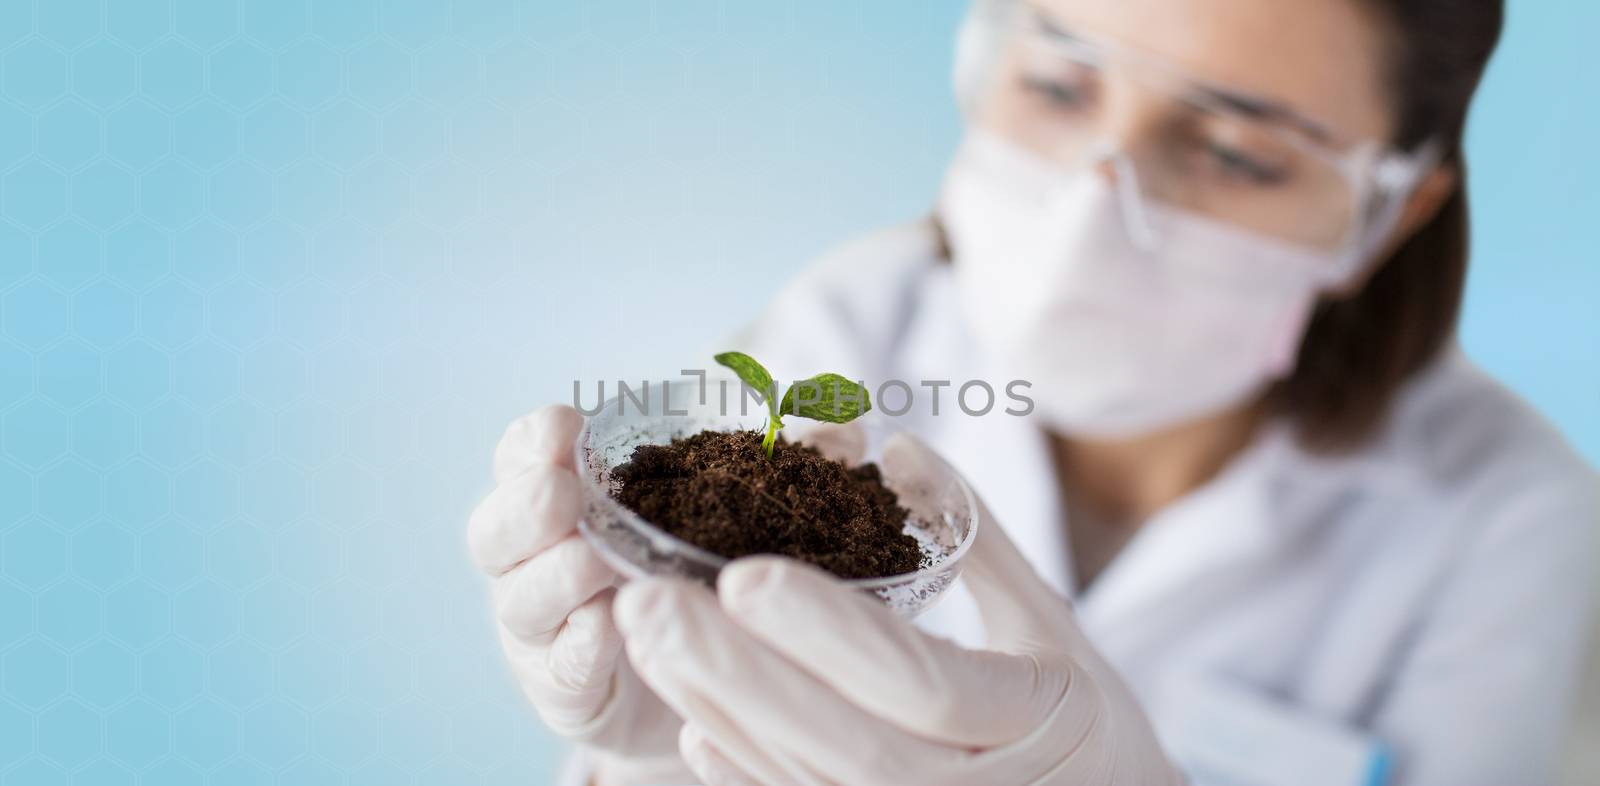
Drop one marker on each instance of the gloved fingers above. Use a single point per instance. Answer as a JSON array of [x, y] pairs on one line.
[[1020, 612], [533, 600], [640, 729], [764, 764], [925, 685], [570, 680], [709, 764], [845, 442], [586, 650], [629, 766], [742, 694], [523, 516], [544, 436], [761, 763]]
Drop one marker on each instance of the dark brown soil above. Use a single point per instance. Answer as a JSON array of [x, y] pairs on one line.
[[719, 491]]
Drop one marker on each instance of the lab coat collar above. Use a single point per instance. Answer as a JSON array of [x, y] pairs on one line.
[[1266, 499], [1239, 514], [1219, 524]]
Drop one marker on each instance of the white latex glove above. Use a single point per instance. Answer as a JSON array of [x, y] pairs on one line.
[[785, 677], [553, 597]]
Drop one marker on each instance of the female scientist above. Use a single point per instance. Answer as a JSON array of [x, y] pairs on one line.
[[1271, 527]]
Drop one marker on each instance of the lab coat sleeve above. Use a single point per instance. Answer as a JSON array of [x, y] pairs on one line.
[[1483, 693]]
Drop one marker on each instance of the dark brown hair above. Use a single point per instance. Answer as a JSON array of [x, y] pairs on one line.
[[1360, 349]]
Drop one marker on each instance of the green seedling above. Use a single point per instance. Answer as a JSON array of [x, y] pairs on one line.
[[826, 397]]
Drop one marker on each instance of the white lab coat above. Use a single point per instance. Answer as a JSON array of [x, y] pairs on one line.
[[1427, 596]]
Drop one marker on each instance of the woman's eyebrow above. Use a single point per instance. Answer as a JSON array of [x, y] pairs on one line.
[[1052, 28], [1257, 108], [1247, 105]]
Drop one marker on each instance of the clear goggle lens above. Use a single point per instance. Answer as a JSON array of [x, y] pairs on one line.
[[1065, 100]]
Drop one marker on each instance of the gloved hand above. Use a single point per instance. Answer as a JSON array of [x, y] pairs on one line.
[[553, 598], [785, 677]]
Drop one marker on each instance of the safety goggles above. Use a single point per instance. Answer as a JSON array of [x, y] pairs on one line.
[[1205, 150]]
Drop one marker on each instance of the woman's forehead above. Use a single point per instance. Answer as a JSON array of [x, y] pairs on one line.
[[1320, 58]]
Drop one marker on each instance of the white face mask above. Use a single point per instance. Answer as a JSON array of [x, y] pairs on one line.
[[1120, 338]]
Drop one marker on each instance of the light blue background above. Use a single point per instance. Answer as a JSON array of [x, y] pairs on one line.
[[275, 273]]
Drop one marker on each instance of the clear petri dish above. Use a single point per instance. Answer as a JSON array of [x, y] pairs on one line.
[[944, 515]]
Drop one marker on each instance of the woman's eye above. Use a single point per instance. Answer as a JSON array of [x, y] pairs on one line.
[[1236, 164], [1057, 92]]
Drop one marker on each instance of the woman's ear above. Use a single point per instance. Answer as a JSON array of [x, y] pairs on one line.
[[1425, 203]]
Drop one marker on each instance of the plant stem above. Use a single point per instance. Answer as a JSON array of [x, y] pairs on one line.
[[771, 437]]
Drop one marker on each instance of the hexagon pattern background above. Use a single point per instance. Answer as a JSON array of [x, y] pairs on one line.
[[275, 273]]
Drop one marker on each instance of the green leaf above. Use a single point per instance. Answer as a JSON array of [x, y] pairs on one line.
[[755, 375], [827, 397]]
